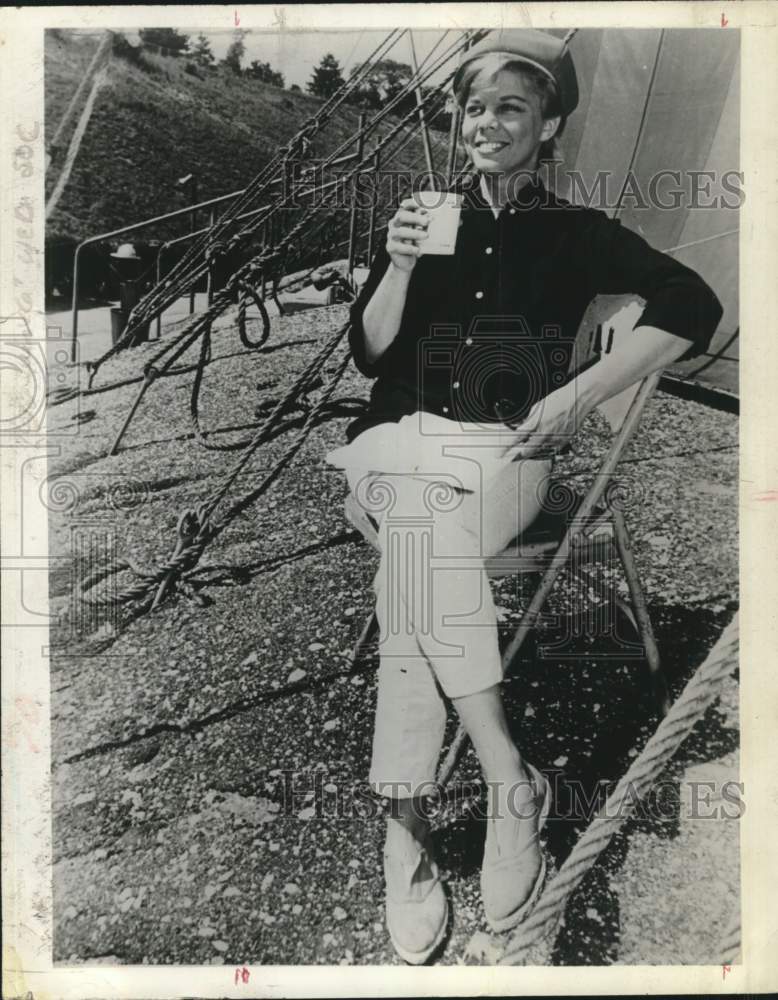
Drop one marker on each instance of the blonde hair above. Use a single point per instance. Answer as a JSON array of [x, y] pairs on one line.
[[542, 85]]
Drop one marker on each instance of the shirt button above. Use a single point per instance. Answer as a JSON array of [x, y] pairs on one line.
[[469, 341], [455, 385], [488, 250], [511, 211], [479, 295], [445, 409]]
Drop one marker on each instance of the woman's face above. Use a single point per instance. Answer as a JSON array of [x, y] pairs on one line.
[[502, 123]]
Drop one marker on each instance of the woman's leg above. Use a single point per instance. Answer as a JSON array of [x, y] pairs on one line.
[[513, 867], [408, 733], [438, 622], [435, 611]]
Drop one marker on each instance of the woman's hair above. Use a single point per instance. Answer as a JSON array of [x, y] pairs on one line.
[[542, 85]]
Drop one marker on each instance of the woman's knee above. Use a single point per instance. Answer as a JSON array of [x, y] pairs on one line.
[[510, 506]]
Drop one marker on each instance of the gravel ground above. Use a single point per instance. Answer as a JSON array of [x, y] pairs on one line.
[[209, 761]]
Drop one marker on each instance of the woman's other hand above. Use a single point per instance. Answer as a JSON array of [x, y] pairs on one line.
[[550, 425], [406, 229]]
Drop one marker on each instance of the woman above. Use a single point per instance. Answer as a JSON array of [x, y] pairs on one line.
[[470, 354]]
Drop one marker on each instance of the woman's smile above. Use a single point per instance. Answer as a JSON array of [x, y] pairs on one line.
[[487, 147]]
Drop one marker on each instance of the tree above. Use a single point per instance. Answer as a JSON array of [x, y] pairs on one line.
[[263, 71], [295, 88], [202, 53], [165, 38], [236, 51], [382, 84], [327, 77], [385, 80]]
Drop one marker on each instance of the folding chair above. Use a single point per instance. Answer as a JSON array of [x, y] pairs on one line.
[[593, 526]]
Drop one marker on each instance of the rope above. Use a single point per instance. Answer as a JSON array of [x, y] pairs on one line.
[[222, 301], [268, 175], [197, 526], [241, 280], [671, 732], [175, 283]]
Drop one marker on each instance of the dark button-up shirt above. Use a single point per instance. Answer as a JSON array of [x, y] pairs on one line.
[[488, 331]]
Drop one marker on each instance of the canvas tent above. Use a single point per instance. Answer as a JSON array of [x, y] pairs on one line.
[[665, 100]]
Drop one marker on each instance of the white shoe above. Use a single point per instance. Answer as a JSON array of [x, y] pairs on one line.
[[416, 906], [511, 880]]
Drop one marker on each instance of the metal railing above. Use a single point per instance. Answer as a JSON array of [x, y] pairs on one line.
[[133, 228], [189, 210]]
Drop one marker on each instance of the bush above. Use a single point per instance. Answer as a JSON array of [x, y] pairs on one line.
[[165, 38], [122, 48], [193, 70]]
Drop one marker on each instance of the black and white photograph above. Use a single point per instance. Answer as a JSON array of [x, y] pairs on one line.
[[391, 478]]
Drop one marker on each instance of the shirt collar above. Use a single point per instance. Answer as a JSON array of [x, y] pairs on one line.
[[530, 195]]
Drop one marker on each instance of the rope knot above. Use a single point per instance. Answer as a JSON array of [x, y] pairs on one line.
[[191, 537]]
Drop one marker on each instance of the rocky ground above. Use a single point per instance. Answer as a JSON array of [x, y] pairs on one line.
[[209, 758]]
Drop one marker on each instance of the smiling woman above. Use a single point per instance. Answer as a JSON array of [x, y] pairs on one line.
[[471, 351]]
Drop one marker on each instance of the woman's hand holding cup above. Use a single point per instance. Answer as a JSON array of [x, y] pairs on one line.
[[405, 232]]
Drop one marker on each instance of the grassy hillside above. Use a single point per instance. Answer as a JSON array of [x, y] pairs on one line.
[[155, 122]]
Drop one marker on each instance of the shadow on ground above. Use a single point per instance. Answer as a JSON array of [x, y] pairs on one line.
[[583, 721]]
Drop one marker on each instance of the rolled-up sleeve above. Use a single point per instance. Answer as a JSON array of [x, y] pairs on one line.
[[357, 330], [677, 299]]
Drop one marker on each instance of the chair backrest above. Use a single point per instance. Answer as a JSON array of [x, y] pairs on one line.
[[607, 323]]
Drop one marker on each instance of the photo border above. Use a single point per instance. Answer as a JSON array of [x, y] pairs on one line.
[[26, 784]]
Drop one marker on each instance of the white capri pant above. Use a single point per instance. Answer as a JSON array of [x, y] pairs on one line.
[[437, 619]]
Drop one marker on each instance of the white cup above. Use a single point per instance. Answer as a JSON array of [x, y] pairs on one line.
[[443, 213]]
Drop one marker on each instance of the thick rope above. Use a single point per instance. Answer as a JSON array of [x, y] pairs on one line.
[[698, 694]]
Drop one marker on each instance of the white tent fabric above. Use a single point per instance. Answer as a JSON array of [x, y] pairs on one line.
[[664, 100]]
